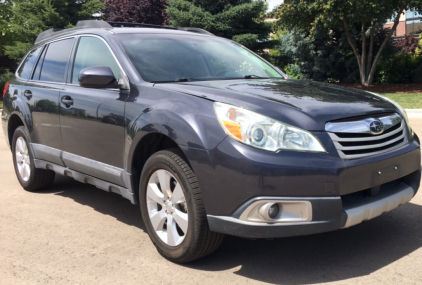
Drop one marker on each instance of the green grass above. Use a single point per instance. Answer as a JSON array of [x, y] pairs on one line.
[[408, 101], [1, 104]]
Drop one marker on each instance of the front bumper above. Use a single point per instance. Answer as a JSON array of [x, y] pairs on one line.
[[234, 175], [328, 214]]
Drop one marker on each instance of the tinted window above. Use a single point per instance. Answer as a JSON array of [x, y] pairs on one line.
[[36, 75], [28, 64], [174, 57], [56, 57], [93, 52]]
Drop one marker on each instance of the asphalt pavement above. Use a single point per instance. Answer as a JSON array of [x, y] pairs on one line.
[[74, 233]]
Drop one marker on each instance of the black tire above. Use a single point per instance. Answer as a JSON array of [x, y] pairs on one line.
[[38, 178], [199, 241]]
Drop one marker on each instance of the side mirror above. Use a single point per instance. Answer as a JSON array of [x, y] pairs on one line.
[[97, 77]]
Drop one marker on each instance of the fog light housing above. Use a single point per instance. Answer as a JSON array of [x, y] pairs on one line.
[[278, 211]]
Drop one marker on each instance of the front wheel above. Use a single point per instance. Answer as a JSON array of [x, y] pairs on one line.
[[173, 210]]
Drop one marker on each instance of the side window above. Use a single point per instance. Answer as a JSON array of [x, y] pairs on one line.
[[93, 52], [36, 75], [55, 61], [27, 65]]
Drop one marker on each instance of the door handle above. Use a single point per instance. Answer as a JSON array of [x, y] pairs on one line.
[[67, 101], [27, 94]]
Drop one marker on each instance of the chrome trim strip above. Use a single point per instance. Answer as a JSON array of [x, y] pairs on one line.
[[372, 207], [340, 147], [101, 184], [353, 156], [362, 126], [334, 137]]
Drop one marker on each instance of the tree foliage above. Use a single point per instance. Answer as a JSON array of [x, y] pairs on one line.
[[240, 20], [28, 18], [137, 11], [313, 15], [325, 56]]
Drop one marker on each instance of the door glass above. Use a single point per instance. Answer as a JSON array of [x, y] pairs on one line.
[[55, 61], [36, 75], [28, 64], [93, 52]]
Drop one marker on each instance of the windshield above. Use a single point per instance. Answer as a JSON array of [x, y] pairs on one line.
[[169, 58]]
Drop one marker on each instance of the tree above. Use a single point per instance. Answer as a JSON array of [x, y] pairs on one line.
[[137, 11], [326, 56], [347, 15], [28, 18], [240, 20]]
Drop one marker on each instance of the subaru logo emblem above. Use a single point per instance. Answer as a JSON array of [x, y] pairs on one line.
[[376, 127]]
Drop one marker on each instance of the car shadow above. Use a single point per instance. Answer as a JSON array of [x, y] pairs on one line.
[[321, 258], [107, 203]]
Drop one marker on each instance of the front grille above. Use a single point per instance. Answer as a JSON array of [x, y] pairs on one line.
[[353, 139]]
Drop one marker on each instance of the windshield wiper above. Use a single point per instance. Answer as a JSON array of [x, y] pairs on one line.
[[251, 76], [183, 79]]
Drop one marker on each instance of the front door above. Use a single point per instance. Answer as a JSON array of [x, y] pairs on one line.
[[93, 120]]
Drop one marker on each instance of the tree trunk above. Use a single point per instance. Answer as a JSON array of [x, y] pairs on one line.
[[368, 64]]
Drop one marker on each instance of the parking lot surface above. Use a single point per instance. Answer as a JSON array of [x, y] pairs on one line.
[[74, 233]]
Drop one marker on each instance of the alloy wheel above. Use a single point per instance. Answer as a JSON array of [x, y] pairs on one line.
[[167, 207], [22, 159]]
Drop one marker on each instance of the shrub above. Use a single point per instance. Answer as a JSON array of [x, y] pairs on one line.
[[419, 49], [398, 68]]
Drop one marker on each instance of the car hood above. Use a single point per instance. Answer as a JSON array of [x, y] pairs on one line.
[[302, 103]]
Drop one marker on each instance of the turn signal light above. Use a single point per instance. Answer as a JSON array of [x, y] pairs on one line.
[[234, 129]]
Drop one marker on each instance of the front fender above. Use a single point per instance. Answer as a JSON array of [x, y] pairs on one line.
[[189, 121]]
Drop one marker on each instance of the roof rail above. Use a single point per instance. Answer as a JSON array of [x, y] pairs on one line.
[[85, 24], [135, 25], [188, 29]]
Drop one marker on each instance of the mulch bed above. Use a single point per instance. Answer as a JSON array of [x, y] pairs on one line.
[[388, 88]]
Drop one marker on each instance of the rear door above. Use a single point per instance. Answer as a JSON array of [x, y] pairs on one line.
[[93, 120], [42, 91]]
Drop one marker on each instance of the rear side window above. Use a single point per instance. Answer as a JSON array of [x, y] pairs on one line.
[[93, 52], [28, 64], [55, 61], [36, 75]]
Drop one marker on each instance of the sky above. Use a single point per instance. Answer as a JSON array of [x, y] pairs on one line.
[[273, 3]]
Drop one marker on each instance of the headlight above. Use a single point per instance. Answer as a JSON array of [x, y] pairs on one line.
[[401, 109], [262, 132]]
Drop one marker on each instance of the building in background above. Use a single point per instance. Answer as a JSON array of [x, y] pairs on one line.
[[410, 23]]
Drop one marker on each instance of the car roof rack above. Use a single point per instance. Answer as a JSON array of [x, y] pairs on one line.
[[85, 24], [99, 24], [138, 25]]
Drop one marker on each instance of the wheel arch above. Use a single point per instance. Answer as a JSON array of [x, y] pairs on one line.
[[149, 144], [15, 120]]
